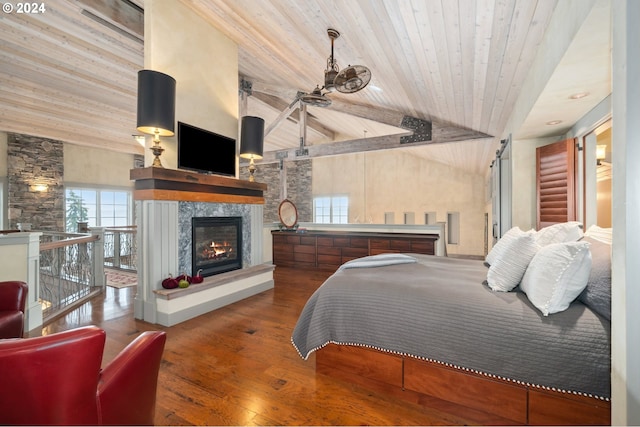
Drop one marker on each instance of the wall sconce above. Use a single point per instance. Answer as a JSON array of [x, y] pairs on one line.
[[251, 141], [40, 188], [601, 154], [156, 108]]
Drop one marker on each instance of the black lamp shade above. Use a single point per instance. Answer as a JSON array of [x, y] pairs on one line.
[[156, 103], [251, 137]]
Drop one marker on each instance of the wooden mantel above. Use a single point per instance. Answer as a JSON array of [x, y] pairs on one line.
[[153, 183]]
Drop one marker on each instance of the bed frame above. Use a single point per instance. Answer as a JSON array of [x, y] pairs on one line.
[[423, 382]]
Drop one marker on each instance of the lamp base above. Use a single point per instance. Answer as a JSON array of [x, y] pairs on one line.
[[157, 151], [252, 170]]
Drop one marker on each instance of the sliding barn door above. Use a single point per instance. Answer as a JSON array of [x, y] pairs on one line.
[[555, 183]]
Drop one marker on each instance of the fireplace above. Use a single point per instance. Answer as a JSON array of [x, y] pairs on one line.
[[216, 244]]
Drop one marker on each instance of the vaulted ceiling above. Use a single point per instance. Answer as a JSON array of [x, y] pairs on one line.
[[70, 73]]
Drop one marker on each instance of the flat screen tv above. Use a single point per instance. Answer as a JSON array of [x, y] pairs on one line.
[[205, 151]]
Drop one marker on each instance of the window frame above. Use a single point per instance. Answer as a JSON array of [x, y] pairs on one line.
[[98, 215], [338, 213]]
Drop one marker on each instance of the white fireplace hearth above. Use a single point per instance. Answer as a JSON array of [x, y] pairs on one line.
[[166, 201]]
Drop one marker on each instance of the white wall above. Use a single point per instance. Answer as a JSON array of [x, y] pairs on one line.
[[396, 181], [85, 165], [625, 333], [204, 63]]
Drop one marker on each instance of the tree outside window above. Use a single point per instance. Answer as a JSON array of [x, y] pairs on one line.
[[76, 212]]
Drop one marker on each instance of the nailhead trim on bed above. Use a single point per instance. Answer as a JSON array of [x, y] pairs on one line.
[[461, 368]]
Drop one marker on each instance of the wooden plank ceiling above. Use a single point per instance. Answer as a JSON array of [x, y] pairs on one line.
[[70, 74]]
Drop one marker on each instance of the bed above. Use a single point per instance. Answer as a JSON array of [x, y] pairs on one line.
[[421, 325]]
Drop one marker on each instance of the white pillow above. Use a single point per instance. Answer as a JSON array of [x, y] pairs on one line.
[[560, 233], [507, 271], [499, 248], [557, 275], [599, 233]]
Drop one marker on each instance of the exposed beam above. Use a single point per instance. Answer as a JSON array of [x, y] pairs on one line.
[[377, 114], [280, 105], [419, 130], [440, 134], [284, 114], [124, 15]]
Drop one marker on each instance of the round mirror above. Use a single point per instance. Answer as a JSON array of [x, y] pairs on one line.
[[288, 213]]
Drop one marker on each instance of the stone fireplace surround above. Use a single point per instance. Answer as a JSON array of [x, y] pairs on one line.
[[216, 245], [166, 200], [188, 210]]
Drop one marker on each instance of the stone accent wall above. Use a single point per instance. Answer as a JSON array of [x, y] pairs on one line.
[[298, 187], [33, 162]]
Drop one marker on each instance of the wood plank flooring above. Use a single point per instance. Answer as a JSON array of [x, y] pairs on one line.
[[237, 366]]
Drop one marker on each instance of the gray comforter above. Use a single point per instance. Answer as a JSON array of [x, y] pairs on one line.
[[438, 309]]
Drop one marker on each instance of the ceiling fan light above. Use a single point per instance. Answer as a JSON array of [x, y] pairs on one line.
[[353, 83]]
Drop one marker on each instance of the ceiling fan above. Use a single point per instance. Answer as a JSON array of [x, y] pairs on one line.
[[348, 80]]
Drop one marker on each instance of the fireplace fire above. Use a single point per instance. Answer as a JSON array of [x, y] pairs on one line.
[[216, 244], [218, 251]]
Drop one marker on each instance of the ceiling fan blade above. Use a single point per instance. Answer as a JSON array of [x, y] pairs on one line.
[[315, 98], [352, 79]]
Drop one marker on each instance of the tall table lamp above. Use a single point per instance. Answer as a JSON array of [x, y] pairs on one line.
[[156, 108], [251, 141]]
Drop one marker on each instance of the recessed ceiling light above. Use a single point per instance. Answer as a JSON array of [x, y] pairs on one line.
[[579, 95], [554, 122]]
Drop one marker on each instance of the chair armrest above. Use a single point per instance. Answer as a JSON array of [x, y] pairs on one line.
[[127, 385]]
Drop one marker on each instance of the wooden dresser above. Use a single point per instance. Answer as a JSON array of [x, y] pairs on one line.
[[330, 249]]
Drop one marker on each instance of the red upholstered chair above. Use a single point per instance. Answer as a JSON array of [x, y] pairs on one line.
[[56, 380], [13, 297]]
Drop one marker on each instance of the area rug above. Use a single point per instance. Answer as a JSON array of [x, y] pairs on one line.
[[120, 279]]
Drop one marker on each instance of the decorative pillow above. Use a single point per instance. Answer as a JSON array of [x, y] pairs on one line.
[[507, 271], [499, 248], [599, 233], [560, 233], [557, 274], [597, 294]]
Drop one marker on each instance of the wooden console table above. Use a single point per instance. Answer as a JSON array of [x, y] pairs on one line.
[[330, 249]]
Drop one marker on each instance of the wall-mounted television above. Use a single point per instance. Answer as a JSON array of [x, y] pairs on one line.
[[205, 151]]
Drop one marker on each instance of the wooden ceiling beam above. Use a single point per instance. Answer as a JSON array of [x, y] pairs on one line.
[[125, 15], [419, 130], [440, 134], [287, 111]]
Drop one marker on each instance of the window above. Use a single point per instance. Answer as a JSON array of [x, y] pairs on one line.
[[100, 208], [331, 210]]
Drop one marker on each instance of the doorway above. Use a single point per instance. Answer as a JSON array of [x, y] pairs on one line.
[[597, 155]]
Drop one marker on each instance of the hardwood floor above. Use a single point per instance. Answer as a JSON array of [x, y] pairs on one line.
[[237, 366]]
